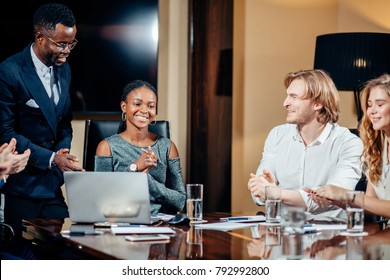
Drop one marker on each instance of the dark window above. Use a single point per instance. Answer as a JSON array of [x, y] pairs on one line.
[[117, 43]]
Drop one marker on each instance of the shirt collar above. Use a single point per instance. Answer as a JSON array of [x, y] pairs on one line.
[[321, 139], [42, 69], [325, 134]]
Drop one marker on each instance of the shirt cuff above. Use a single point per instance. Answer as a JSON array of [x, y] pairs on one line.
[[308, 201], [311, 206], [51, 160], [257, 200]]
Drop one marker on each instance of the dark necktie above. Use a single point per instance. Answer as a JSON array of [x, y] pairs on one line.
[[54, 85]]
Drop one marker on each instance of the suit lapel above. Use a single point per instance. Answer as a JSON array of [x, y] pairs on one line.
[[38, 92]]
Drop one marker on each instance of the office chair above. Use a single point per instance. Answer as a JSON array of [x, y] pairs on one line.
[[97, 130], [361, 185], [6, 233]]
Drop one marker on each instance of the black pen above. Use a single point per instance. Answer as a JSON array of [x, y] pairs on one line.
[[234, 219]]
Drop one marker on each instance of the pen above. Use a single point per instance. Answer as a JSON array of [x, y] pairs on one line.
[[81, 232], [309, 231], [235, 219]]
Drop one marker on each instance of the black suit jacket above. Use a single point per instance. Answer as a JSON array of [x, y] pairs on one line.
[[28, 114]]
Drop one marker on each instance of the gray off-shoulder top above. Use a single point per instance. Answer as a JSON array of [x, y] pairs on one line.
[[166, 187]]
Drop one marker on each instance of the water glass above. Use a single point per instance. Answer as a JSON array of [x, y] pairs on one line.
[[293, 219], [195, 202], [355, 213], [273, 204]]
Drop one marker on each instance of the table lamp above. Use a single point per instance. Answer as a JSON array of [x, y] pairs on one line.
[[351, 59]]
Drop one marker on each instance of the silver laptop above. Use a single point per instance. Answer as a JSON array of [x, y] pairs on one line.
[[108, 197]]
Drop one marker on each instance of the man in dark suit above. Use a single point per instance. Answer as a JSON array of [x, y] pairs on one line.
[[35, 110]]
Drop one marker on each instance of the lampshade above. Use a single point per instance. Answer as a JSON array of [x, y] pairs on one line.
[[351, 59]]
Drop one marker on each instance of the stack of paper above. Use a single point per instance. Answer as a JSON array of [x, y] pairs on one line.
[[141, 230]]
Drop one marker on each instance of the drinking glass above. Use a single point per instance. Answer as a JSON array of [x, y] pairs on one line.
[[293, 219], [195, 202], [355, 213], [273, 203]]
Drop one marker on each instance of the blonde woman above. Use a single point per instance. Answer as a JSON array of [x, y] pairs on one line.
[[375, 134]]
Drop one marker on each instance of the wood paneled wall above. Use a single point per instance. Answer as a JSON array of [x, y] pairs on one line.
[[210, 100]]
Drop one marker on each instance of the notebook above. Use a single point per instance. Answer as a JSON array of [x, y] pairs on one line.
[[107, 197]]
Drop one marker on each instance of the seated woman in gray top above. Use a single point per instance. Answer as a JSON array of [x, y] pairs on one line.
[[136, 149]]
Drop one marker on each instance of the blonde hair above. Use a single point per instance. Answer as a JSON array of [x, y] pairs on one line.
[[372, 139], [319, 88]]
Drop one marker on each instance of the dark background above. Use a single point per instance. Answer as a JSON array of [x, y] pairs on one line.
[[115, 47]]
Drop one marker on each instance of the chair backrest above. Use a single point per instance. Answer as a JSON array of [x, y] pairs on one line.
[[97, 130]]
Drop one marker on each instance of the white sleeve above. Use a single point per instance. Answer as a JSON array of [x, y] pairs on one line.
[[347, 172]]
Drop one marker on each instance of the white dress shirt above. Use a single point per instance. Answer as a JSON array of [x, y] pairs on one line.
[[45, 74], [332, 159]]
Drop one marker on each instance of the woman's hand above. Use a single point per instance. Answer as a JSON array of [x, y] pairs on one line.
[[328, 195], [147, 160]]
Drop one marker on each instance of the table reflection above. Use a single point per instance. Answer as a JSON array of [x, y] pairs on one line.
[[253, 242]]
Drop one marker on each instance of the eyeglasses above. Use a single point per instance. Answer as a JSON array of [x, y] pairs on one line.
[[62, 46]]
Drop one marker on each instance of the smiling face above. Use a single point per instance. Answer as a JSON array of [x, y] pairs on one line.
[[299, 110], [378, 109], [48, 42], [140, 107]]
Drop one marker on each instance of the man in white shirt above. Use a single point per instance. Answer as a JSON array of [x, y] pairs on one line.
[[311, 150]]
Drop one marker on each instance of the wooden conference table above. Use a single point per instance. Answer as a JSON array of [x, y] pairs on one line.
[[259, 242]]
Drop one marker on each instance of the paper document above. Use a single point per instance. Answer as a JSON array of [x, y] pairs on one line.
[[225, 226], [141, 230]]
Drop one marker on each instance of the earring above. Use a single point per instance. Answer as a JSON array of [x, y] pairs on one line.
[[153, 122], [123, 116]]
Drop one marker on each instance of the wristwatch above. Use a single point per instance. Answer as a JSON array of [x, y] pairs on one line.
[[133, 167]]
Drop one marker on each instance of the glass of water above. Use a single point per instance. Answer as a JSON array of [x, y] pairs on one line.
[[195, 202], [355, 212], [293, 220], [273, 204]]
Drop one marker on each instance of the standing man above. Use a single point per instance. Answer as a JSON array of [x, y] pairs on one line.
[[35, 110], [311, 150]]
